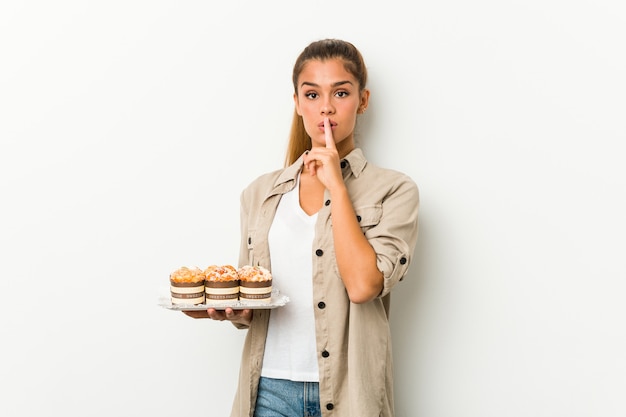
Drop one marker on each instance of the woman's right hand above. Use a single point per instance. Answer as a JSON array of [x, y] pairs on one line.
[[243, 317]]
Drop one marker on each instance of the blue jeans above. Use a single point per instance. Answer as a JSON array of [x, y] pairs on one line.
[[283, 398]]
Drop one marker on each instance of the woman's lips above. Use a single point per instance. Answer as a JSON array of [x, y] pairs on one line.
[[332, 125]]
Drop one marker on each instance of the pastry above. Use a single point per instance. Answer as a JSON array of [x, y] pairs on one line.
[[187, 286], [221, 284], [255, 283]]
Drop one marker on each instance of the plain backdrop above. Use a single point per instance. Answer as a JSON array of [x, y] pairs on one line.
[[128, 129]]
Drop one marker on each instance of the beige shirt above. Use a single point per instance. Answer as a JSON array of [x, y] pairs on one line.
[[353, 340]]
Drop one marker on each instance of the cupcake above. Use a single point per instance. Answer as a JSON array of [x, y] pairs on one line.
[[255, 283], [187, 286], [221, 284]]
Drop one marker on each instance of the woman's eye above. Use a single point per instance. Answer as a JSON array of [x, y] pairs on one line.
[[310, 95], [342, 94]]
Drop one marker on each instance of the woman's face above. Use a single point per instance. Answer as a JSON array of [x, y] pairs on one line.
[[326, 89]]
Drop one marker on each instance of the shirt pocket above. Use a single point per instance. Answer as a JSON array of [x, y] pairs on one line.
[[368, 216]]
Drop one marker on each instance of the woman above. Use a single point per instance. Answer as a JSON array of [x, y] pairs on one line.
[[337, 233]]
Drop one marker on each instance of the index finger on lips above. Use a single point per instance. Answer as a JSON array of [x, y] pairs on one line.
[[328, 134]]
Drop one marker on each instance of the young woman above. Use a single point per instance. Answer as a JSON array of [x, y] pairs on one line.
[[337, 233]]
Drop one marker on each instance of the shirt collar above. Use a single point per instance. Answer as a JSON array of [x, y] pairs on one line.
[[287, 179], [356, 161]]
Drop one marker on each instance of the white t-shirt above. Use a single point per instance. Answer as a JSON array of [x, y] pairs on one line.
[[290, 348]]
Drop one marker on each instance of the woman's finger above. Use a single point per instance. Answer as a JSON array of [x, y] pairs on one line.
[[328, 134]]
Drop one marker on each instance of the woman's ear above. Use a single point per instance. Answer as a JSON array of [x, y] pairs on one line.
[[365, 99], [296, 103]]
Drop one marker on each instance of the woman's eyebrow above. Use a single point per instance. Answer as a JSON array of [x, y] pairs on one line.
[[337, 84]]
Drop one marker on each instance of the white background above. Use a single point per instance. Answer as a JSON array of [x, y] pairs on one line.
[[128, 129]]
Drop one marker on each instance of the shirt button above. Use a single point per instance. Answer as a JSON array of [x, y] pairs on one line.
[[402, 260], [321, 305], [249, 240], [319, 252], [358, 218], [325, 354], [343, 164], [327, 203], [330, 406]]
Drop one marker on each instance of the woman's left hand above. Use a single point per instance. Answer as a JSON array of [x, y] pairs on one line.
[[323, 162]]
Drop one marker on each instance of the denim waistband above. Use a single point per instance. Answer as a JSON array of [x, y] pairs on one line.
[[287, 398]]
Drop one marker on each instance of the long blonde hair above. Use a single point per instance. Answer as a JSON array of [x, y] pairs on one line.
[[299, 140]]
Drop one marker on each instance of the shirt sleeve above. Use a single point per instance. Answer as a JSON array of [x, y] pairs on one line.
[[393, 231]]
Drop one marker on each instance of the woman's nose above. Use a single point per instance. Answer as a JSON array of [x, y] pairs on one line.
[[327, 108]]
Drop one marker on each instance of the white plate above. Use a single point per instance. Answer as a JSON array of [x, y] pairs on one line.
[[277, 300]]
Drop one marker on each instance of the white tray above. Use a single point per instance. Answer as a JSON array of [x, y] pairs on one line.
[[277, 300]]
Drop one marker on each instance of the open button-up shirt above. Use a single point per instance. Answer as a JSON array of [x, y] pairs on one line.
[[353, 340]]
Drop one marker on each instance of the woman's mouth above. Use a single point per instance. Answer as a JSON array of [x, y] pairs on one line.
[[332, 125]]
